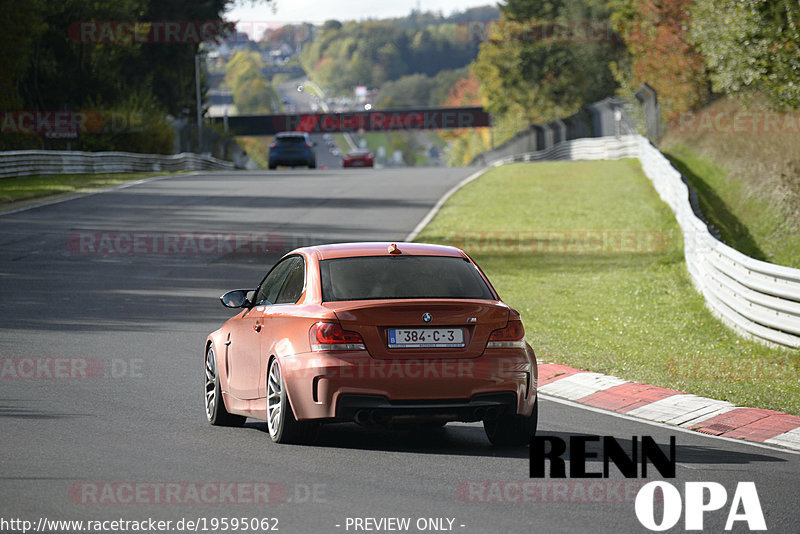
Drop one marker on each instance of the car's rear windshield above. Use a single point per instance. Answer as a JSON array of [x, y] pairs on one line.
[[291, 139], [401, 277]]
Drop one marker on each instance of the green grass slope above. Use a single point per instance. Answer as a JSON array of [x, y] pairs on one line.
[[593, 260]]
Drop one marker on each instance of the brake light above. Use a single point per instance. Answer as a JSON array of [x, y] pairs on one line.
[[331, 336], [273, 145], [308, 145], [510, 337]]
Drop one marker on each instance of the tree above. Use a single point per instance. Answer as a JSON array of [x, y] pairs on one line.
[[541, 63], [21, 25], [51, 64], [655, 34], [751, 45], [409, 91], [466, 143], [374, 52], [331, 25], [245, 77]]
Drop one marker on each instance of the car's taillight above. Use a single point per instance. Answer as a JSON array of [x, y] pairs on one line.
[[308, 145], [512, 336], [272, 145], [331, 336]]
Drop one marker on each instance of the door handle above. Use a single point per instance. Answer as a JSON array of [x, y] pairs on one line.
[[257, 327]]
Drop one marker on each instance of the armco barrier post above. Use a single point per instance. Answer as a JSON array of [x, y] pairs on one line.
[[648, 98]]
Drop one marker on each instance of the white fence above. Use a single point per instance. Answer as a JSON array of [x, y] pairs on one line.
[[30, 162], [755, 298]]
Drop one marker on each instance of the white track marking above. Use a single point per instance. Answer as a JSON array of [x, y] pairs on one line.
[[581, 385], [787, 439], [665, 425]]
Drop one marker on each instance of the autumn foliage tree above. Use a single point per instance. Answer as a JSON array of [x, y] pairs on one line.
[[465, 92], [656, 36], [467, 143]]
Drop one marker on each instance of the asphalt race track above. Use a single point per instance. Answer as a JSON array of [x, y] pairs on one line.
[[134, 320]]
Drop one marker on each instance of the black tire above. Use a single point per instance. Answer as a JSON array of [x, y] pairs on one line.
[[215, 405], [312, 165], [512, 429], [281, 423], [272, 167]]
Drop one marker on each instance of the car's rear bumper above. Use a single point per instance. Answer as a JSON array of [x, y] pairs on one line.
[[376, 409], [289, 161], [331, 385]]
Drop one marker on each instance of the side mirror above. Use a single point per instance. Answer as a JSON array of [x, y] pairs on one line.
[[238, 298]]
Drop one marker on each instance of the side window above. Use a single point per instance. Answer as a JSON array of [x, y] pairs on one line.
[[293, 287], [268, 291]]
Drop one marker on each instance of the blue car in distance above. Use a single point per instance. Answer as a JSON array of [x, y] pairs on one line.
[[292, 149]]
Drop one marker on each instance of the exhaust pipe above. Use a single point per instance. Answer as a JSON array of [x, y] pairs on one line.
[[363, 417], [377, 417], [480, 413], [492, 412]]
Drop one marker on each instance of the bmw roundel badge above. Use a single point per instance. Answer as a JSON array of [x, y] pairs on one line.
[[427, 317]]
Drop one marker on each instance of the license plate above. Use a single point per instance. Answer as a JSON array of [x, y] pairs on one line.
[[402, 338]]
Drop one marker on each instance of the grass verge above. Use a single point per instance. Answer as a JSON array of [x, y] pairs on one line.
[[747, 182], [747, 221], [30, 187], [341, 143], [376, 140], [592, 258], [257, 149]]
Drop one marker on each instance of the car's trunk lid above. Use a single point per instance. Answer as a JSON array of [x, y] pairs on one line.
[[374, 319]]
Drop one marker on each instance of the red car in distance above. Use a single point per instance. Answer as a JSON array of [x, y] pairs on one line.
[[376, 333], [360, 157]]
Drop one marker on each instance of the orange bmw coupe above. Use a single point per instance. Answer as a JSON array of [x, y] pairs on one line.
[[376, 333]]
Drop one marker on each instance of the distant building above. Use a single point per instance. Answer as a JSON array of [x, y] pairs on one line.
[[226, 48]]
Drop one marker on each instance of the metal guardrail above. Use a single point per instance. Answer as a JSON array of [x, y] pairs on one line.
[[34, 162], [755, 298], [607, 117]]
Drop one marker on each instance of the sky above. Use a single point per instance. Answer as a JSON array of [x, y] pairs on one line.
[[280, 12]]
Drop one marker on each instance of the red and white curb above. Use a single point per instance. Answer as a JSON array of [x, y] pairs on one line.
[[709, 416]]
